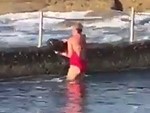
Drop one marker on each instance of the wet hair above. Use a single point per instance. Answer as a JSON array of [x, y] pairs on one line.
[[78, 26]]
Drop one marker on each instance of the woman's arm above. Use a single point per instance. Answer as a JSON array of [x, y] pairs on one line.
[[69, 50], [61, 53]]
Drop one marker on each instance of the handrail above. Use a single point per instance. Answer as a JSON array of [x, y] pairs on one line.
[[132, 17]]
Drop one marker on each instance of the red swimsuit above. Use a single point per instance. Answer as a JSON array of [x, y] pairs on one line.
[[79, 62]]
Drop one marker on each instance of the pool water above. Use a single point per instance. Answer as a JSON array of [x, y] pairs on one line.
[[117, 92]]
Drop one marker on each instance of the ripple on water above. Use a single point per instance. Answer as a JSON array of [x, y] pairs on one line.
[[104, 94]]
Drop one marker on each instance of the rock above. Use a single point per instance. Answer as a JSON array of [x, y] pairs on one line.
[[117, 5]]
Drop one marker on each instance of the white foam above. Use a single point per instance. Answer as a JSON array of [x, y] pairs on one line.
[[111, 38], [22, 28], [114, 22], [56, 80], [139, 17], [68, 15], [17, 16], [30, 15]]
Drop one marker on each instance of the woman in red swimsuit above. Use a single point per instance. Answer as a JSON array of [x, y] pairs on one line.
[[77, 53]]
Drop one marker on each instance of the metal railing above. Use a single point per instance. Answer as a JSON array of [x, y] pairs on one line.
[[132, 16], [132, 25], [40, 29], [41, 16]]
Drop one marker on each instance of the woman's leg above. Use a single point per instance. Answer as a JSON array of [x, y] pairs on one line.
[[73, 73]]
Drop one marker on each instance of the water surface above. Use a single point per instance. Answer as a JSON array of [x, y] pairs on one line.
[[119, 92]]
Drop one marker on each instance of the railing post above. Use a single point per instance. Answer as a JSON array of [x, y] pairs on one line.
[[40, 29], [132, 25]]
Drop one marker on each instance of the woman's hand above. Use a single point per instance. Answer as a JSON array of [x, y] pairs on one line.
[[61, 53], [64, 40], [56, 52]]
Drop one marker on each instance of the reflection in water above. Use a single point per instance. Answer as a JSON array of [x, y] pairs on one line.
[[115, 92], [75, 95]]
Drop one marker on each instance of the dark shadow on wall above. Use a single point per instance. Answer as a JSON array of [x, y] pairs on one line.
[[117, 5]]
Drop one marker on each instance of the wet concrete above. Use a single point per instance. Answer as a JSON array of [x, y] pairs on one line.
[[101, 58], [29, 61]]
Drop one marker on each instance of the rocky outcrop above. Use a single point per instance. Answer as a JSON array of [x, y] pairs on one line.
[[7, 6], [117, 5], [15, 6]]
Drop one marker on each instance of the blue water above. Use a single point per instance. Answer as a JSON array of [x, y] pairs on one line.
[[119, 92]]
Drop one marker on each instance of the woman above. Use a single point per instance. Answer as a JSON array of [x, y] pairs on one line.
[[76, 52]]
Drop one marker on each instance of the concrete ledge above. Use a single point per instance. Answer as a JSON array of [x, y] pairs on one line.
[[25, 61]]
